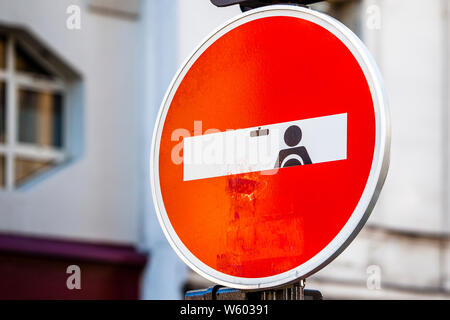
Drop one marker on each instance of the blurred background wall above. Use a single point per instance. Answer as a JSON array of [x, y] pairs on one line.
[[77, 109]]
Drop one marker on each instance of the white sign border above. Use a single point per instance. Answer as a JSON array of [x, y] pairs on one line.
[[377, 175]]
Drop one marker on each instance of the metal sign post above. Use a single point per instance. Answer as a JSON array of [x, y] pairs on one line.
[[246, 5], [270, 150], [294, 291]]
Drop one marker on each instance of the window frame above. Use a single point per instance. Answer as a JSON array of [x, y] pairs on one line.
[[14, 81]]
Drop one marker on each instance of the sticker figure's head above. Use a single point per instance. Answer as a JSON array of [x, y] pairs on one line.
[[292, 136]]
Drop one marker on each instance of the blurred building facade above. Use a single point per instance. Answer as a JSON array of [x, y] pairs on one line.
[[78, 103]]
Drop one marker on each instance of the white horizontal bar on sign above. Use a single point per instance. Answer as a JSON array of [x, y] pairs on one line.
[[299, 142]]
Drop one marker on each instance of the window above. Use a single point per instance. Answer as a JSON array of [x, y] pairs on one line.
[[32, 113], [2, 112], [119, 8], [2, 52], [2, 171], [40, 118]]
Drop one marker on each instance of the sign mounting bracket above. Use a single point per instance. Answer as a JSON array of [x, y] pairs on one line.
[[246, 5], [295, 291]]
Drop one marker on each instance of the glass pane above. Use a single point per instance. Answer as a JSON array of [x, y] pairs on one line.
[[2, 170], [2, 112], [40, 118], [26, 63], [26, 169], [2, 52]]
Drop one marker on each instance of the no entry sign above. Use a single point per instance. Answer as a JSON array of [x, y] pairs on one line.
[[270, 148]]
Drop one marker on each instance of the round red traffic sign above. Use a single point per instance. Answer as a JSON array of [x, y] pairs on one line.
[[270, 148]]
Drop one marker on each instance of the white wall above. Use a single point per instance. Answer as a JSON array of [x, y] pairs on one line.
[[196, 20], [165, 274], [95, 197], [411, 54]]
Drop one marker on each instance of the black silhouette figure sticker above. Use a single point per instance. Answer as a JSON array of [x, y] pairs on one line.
[[293, 156]]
